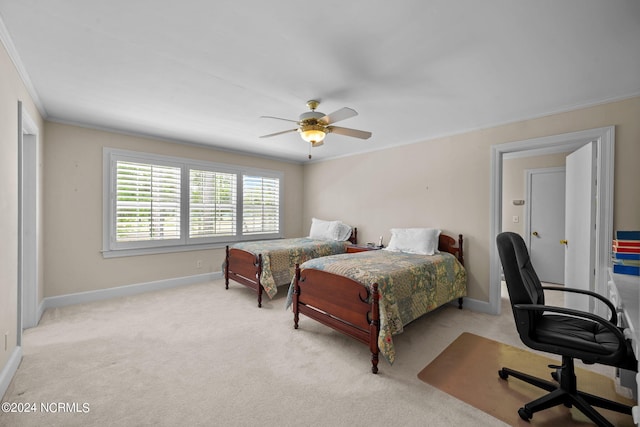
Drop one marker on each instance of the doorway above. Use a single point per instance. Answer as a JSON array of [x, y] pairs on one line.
[[28, 213], [604, 139], [545, 222]]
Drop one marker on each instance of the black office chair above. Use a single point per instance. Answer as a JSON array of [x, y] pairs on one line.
[[572, 334]]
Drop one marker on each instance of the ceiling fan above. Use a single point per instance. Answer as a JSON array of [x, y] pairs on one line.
[[313, 125]]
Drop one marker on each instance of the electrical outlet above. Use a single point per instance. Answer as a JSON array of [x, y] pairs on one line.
[[199, 263]]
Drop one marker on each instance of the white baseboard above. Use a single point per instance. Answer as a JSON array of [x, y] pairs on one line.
[[9, 370], [41, 309], [476, 305], [122, 291]]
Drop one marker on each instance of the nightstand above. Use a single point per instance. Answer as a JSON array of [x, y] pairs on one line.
[[352, 249]]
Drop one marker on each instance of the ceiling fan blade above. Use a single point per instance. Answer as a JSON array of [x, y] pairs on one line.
[[349, 132], [278, 118], [341, 114], [317, 144], [278, 133]]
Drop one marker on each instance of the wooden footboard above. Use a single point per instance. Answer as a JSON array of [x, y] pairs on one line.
[[340, 303], [245, 268]]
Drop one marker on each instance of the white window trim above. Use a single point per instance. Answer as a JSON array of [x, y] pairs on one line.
[[111, 249]]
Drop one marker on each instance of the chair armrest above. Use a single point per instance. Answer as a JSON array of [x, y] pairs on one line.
[[612, 309], [576, 313]]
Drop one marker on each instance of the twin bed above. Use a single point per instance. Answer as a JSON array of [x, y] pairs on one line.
[[265, 265], [369, 295]]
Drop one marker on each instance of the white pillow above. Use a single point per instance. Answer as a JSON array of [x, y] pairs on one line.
[[422, 241], [344, 231], [324, 230]]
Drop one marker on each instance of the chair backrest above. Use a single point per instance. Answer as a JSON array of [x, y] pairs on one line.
[[523, 283]]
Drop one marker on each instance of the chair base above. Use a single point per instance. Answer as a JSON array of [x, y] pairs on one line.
[[564, 392]]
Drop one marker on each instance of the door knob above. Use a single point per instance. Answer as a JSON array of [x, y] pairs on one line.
[[563, 242], [535, 233]]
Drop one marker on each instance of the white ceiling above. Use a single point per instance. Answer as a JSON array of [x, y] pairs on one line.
[[205, 71]]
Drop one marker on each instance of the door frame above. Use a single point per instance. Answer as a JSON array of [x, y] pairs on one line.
[[567, 142], [528, 197]]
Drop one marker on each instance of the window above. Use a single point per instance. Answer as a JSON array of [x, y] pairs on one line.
[[162, 204], [147, 202], [212, 204], [261, 205]]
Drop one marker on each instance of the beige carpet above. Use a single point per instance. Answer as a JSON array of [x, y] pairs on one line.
[[201, 355], [471, 361]]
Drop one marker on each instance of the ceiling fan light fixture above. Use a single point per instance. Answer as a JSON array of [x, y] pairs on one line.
[[312, 133], [313, 125]]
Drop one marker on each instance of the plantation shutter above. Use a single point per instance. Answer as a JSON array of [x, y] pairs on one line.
[[261, 205], [212, 204], [147, 202], [161, 204]]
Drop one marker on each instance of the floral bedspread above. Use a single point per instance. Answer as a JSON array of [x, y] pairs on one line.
[[409, 285], [279, 257]]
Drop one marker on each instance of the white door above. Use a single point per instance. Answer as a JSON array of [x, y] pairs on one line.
[[579, 225], [545, 223]]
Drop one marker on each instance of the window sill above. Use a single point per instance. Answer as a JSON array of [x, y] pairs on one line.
[[121, 253]]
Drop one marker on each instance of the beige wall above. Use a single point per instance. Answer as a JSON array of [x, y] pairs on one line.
[[12, 90], [73, 206], [445, 182], [514, 186]]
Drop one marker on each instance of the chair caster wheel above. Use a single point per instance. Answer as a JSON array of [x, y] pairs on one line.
[[525, 413], [502, 374]]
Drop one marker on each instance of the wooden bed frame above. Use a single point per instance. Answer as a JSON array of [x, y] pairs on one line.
[[246, 267], [346, 305]]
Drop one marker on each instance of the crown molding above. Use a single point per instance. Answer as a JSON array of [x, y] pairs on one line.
[[5, 38]]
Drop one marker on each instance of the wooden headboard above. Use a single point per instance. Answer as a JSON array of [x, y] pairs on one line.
[[448, 244], [354, 236]]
